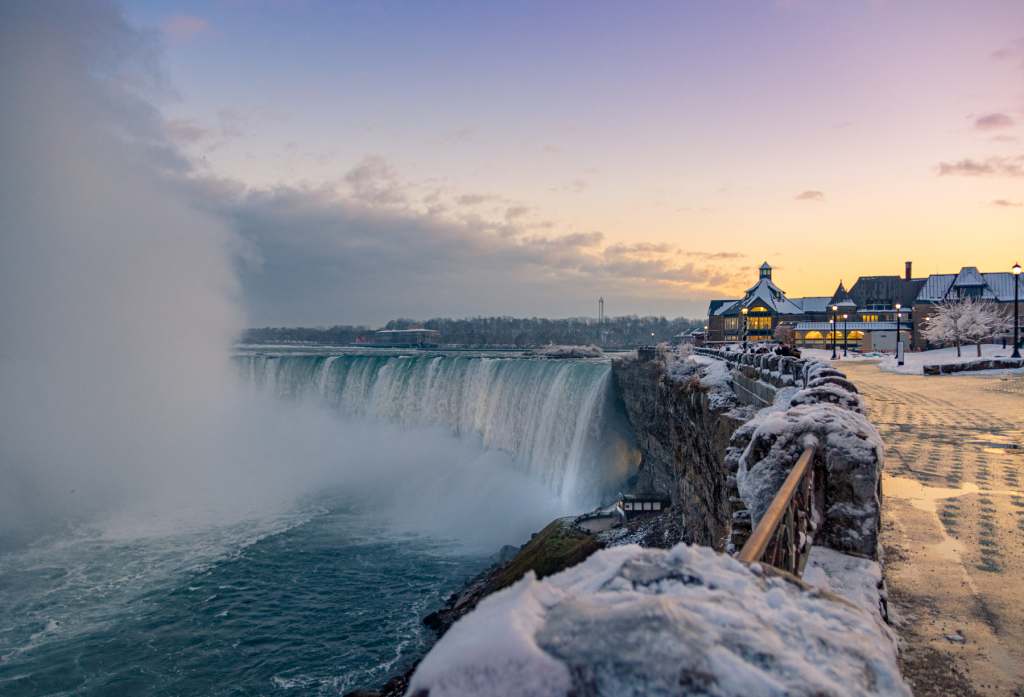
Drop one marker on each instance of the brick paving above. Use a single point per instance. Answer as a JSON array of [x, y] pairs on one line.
[[953, 525]]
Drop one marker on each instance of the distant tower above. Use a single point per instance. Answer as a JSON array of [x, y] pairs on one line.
[[600, 310]]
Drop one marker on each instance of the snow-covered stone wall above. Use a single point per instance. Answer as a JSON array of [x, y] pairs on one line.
[[634, 621], [815, 405]]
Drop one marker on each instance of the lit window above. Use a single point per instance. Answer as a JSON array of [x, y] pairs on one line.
[[657, 505]]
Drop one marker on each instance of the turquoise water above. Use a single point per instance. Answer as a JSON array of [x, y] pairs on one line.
[[326, 595], [318, 601]]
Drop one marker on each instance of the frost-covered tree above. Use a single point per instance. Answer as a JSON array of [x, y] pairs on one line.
[[981, 320], [964, 320], [943, 326]]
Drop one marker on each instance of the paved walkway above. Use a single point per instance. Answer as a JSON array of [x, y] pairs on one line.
[[953, 526]]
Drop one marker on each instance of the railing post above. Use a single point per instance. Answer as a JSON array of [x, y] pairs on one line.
[[781, 522]]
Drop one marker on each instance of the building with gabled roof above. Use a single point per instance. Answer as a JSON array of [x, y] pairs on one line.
[[766, 307], [995, 286]]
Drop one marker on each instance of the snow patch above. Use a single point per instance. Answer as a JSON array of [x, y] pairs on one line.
[[633, 621]]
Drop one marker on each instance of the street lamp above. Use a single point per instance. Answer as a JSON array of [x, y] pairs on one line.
[[899, 355], [833, 322], [744, 313], [1016, 311], [846, 332]]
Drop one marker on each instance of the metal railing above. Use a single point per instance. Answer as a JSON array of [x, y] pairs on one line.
[[784, 535]]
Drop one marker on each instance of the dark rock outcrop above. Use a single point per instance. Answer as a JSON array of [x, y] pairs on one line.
[[683, 425]]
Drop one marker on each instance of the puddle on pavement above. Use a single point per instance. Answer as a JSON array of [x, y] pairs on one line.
[[922, 496]]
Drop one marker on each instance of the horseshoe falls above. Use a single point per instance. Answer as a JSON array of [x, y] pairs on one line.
[[558, 419], [414, 470]]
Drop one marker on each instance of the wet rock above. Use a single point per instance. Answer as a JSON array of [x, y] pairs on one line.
[[683, 424]]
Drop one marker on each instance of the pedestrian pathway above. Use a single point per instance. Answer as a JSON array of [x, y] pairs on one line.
[[953, 526]]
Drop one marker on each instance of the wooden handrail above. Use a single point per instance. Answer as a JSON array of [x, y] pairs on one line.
[[768, 526]]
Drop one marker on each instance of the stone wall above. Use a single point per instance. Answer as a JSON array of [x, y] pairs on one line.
[[683, 427], [721, 458]]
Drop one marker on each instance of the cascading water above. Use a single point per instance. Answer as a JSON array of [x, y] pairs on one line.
[[559, 419]]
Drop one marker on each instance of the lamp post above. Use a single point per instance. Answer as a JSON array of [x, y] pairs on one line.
[[1016, 310], [846, 333], [899, 356], [833, 322], [744, 312]]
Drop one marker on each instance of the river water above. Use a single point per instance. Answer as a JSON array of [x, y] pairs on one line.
[[326, 593]]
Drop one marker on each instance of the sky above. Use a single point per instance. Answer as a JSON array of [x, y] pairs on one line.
[[400, 159]]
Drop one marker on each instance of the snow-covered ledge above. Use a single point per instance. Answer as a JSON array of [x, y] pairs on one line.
[[663, 622]]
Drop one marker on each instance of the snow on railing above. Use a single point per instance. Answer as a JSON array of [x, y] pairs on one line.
[[785, 533], [778, 463]]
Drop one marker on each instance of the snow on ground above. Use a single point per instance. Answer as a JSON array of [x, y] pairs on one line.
[[634, 621], [914, 361], [826, 355]]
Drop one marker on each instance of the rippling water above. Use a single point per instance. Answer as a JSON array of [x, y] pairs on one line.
[[328, 594], [317, 601]]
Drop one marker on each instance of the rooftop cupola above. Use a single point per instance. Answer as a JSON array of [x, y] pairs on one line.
[[766, 271]]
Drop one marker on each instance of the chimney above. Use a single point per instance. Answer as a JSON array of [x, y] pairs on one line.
[[909, 263]]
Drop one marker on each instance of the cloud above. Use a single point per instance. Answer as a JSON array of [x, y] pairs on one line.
[[715, 255], [375, 182], [516, 212], [810, 195], [186, 131], [321, 256], [182, 28], [576, 186], [990, 167], [474, 199], [1012, 51], [994, 121], [1005, 203]]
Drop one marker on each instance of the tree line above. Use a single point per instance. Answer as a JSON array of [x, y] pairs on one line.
[[513, 332]]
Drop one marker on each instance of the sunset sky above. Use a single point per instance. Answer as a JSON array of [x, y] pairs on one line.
[[654, 153]]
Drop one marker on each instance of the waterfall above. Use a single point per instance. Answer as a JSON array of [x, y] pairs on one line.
[[559, 419]]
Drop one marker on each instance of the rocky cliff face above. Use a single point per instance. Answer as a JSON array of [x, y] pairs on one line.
[[683, 422]]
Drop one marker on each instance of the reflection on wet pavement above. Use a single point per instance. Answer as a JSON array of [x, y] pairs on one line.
[[953, 525]]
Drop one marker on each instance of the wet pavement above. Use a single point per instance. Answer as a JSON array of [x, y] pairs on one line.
[[953, 526]]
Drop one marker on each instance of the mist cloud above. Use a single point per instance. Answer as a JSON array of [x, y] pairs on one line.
[[125, 278]]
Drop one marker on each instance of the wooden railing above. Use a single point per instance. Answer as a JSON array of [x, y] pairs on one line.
[[784, 535]]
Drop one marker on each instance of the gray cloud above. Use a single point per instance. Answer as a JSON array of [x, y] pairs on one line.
[[186, 131], [992, 122], [989, 167], [375, 182], [1006, 203], [1012, 51], [475, 199], [516, 212], [314, 257], [810, 195]]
